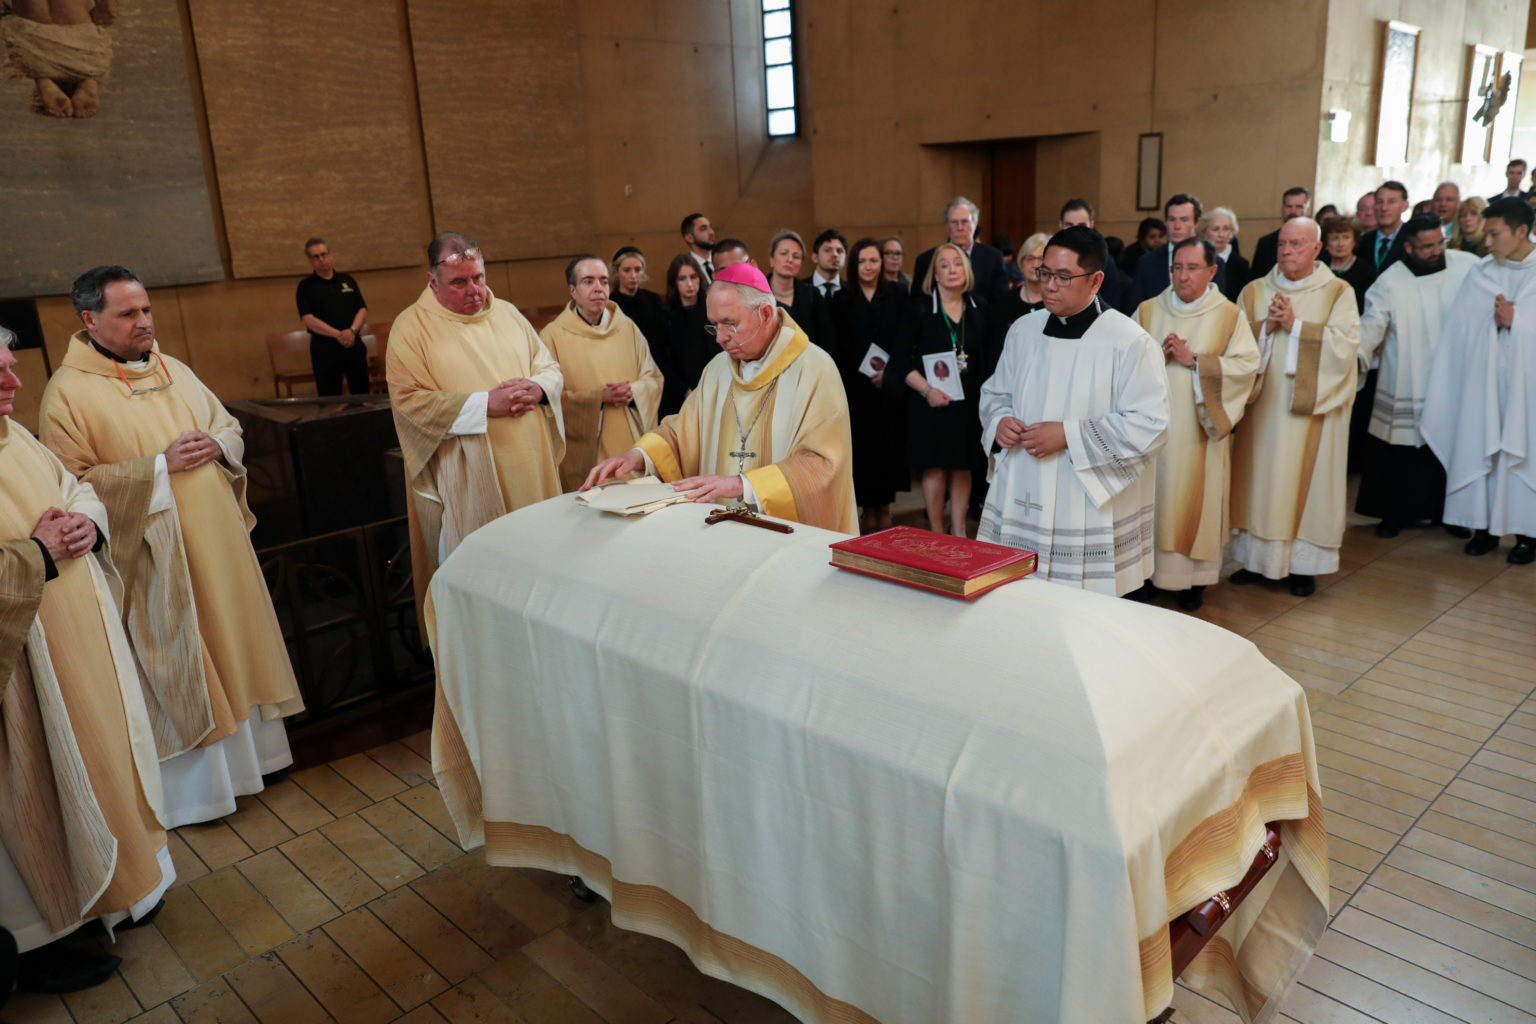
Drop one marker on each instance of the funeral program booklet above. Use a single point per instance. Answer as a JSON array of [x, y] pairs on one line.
[[631, 497], [874, 360], [943, 372]]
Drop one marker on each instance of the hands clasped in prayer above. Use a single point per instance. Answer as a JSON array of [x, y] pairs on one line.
[[1176, 348], [618, 394], [65, 534], [192, 449], [1038, 439], [513, 397], [1281, 317], [1503, 312]]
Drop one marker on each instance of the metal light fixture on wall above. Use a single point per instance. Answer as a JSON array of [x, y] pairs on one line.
[[1338, 125]]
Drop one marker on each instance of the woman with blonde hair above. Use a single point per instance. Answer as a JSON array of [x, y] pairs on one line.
[[944, 433], [1467, 235]]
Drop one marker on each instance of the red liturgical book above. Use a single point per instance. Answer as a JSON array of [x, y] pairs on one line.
[[934, 561]]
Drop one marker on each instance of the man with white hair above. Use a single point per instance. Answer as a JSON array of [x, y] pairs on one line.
[[960, 219], [768, 424], [476, 397], [1288, 465], [1446, 200]]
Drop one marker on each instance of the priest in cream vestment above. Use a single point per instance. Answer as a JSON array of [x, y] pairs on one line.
[[612, 385], [1288, 465], [1401, 481], [166, 459], [1211, 359], [768, 423], [476, 398], [80, 801], [1074, 417]]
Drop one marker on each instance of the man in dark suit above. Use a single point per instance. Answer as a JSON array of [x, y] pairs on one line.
[[1296, 202], [1514, 174], [1116, 289], [1154, 271], [960, 217], [1384, 245]]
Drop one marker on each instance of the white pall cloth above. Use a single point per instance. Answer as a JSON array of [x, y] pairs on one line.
[[920, 809]]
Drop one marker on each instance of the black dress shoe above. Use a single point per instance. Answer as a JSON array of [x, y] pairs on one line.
[[1191, 599], [1387, 528], [580, 891], [1243, 577], [55, 969], [1303, 586], [1524, 551], [1144, 594], [1481, 543], [1459, 532]]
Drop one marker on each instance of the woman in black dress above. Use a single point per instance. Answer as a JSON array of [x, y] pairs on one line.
[[866, 312], [642, 305], [943, 434], [1219, 227], [796, 296], [1026, 298], [691, 345]]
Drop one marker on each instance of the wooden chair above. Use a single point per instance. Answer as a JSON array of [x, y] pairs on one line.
[[376, 340], [289, 355]]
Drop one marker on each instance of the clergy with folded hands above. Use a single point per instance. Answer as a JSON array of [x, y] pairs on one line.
[[1073, 419], [167, 461], [1210, 358], [768, 424], [612, 385], [1288, 464], [80, 798], [476, 397]]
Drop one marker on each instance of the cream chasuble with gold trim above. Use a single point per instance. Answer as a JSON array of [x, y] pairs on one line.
[[591, 358], [794, 413], [1194, 467]]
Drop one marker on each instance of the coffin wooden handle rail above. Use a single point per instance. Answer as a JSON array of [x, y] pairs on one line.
[[1189, 934]]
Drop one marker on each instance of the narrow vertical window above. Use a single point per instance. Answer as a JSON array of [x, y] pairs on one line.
[[779, 64]]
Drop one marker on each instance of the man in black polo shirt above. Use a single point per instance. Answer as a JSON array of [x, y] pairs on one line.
[[331, 305]]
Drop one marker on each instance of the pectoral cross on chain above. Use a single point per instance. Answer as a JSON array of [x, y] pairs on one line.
[[741, 455]]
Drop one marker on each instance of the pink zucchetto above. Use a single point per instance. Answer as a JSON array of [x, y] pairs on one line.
[[744, 273]]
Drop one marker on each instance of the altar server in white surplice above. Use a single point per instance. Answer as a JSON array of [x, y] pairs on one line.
[[1288, 462], [1480, 409], [1210, 358], [1073, 418], [1401, 481]]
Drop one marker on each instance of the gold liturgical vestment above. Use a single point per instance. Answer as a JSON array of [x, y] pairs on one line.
[[794, 413], [1194, 467], [195, 603], [436, 360], [79, 784], [591, 357], [1288, 462]]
